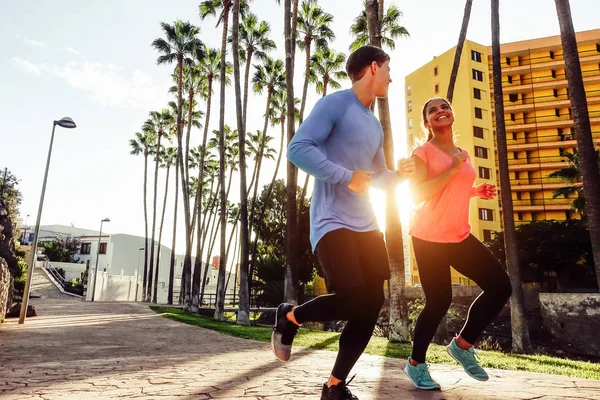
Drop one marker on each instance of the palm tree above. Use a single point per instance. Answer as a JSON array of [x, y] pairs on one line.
[[253, 41], [520, 329], [327, 67], [292, 255], [168, 158], [581, 124], [573, 175], [174, 240], [158, 123], [313, 25], [393, 228], [390, 28], [142, 144], [180, 45], [459, 47]]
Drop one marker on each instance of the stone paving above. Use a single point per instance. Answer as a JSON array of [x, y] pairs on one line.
[[79, 350]]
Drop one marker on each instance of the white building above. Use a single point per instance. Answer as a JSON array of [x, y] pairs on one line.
[[122, 255]]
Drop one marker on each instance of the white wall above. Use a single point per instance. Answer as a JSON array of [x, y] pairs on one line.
[[72, 271]]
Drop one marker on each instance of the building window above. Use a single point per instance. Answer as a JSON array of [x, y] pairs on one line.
[[475, 56], [507, 60], [435, 71], [512, 117], [509, 79], [436, 88], [513, 97], [554, 73], [481, 152], [561, 152], [485, 173], [477, 75], [485, 214], [598, 48], [478, 132], [518, 195], [410, 124], [520, 216], [409, 105], [477, 93], [478, 113], [552, 55], [408, 90], [514, 136], [517, 175], [102, 248], [516, 155], [557, 112], [487, 235], [555, 91], [86, 248]]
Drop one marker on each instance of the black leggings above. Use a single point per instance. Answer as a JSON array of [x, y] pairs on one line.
[[359, 306], [472, 259]]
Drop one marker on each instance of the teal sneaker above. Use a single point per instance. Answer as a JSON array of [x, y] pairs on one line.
[[468, 360], [419, 375]]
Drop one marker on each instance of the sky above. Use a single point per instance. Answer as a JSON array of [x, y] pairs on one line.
[[93, 61]]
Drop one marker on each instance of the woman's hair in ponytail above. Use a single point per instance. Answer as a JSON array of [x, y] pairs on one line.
[[424, 114]]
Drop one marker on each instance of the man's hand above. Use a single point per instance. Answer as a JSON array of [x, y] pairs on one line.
[[361, 182], [486, 191], [406, 167]]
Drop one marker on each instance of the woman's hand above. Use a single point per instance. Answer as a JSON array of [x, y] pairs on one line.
[[486, 191]]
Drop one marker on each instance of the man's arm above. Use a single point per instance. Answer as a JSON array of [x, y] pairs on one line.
[[303, 151]]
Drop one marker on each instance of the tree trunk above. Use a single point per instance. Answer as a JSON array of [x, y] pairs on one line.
[[267, 200], [307, 43], [290, 290], [160, 231], [187, 261], [235, 249], [189, 133], [249, 53], [581, 123], [174, 242], [145, 280], [398, 312], [459, 47], [211, 242], [151, 268], [520, 329], [200, 240]]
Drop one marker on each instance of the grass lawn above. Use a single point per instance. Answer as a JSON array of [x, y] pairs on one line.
[[379, 346]]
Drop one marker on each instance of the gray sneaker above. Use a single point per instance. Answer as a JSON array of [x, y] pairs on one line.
[[283, 333]]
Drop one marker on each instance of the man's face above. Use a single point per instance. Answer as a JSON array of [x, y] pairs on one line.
[[381, 79]]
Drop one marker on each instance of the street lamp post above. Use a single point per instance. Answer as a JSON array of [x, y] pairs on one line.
[[68, 123], [98, 256], [137, 272]]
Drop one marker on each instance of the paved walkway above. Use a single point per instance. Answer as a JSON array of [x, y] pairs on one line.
[[79, 350]]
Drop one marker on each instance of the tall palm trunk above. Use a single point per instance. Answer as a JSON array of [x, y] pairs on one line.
[[243, 317], [222, 159], [145, 224], [207, 237], [398, 312], [261, 153], [307, 43], [581, 122], [160, 231], [290, 289], [267, 200], [198, 197], [235, 249], [189, 133], [249, 53], [174, 242], [520, 329], [150, 269], [459, 48], [187, 261]]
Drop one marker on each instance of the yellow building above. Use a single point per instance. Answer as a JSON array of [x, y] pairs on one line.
[[539, 124], [472, 126]]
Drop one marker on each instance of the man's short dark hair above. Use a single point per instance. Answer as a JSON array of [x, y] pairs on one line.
[[362, 58]]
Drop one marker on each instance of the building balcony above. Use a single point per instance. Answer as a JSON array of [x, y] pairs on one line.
[[537, 186], [542, 63], [547, 207], [545, 82], [547, 102]]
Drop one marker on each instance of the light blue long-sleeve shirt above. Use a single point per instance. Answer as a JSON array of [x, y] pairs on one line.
[[340, 136]]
